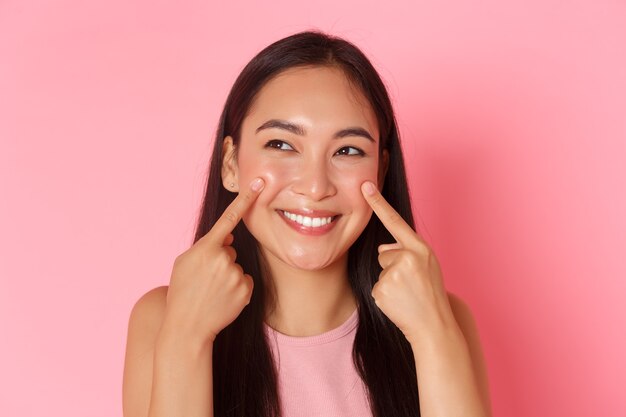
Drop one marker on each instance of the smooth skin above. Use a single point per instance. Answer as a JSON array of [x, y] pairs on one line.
[[410, 292], [171, 329], [173, 360], [318, 168], [168, 369]]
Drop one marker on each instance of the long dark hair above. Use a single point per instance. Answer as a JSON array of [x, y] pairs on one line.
[[244, 375]]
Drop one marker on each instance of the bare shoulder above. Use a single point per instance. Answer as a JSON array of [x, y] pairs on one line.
[[148, 311], [461, 310], [467, 323], [144, 324]]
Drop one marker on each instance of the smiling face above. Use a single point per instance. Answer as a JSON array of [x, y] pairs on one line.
[[313, 138]]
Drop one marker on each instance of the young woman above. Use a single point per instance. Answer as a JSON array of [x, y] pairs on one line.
[[307, 291]]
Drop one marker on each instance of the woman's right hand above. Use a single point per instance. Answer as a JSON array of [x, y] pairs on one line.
[[208, 289]]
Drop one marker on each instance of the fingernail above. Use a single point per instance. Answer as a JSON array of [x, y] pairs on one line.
[[370, 188], [257, 184]]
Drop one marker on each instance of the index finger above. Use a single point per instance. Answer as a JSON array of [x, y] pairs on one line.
[[235, 210], [390, 218]]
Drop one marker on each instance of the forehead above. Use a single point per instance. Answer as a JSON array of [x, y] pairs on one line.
[[318, 97]]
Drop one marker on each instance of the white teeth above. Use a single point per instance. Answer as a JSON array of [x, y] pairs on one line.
[[308, 221]]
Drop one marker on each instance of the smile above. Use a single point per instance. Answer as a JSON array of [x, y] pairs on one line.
[[307, 224]]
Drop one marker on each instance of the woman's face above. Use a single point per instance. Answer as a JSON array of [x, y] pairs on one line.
[[312, 174]]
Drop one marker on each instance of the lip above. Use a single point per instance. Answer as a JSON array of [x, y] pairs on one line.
[[311, 213], [310, 231]]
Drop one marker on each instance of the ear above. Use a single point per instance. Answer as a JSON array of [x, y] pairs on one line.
[[230, 172], [382, 169]]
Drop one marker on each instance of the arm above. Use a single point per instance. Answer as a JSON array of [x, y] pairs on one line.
[[451, 372], [169, 356], [439, 326], [166, 373]]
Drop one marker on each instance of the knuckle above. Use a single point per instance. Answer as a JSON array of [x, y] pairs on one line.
[[381, 258], [380, 288], [382, 276], [409, 258], [248, 284], [237, 270], [394, 218], [375, 290], [394, 276], [376, 200], [246, 287], [431, 258], [231, 216], [421, 249], [385, 259], [222, 257], [246, 197]]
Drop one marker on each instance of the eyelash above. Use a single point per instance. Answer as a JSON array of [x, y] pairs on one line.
[[268, 145]]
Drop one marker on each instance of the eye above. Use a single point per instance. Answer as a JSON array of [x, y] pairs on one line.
[[354, 152], [277, 144]]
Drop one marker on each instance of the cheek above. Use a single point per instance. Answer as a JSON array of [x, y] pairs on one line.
[[270, 171], [356, 176], [274, 175], [277, 174], [349, 183]]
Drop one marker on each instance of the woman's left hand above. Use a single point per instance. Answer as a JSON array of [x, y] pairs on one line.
[[410, 288]]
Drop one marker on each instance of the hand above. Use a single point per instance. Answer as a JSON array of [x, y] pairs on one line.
[[410, 288], [208, 290]]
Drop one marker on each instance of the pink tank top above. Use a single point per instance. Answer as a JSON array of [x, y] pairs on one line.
[[316, 376]]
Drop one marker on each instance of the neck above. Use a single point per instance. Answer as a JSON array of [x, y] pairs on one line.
[[309, 303]]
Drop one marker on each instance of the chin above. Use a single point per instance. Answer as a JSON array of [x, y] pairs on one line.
[[305, 261], [307, 265]]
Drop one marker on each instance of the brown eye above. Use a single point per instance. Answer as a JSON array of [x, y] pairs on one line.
[[277, 144], [354, 152]]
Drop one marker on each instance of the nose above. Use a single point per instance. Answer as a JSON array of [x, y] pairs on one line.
[[313, 179]]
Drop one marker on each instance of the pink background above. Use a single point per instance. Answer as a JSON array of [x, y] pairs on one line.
[[513, 120]]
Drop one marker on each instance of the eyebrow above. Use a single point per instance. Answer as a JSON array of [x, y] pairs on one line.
[[299, 129]]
